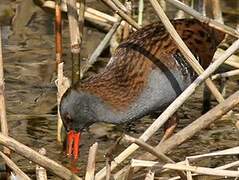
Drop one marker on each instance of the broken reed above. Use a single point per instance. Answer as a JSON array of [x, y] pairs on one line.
[[37, 158], [75, 37]]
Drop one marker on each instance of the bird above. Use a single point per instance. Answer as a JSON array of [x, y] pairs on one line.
[[144, 75]]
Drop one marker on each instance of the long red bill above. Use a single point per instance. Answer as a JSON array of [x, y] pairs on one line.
[[73, 141]]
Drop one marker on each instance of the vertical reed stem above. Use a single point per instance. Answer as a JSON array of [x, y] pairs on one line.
[[58, 44], [141, 11], [127, 27], [200, 6], [180, 14], [75, 39], [81, 17], [41, 171], [58, 29], [81, 27], [216, 11], [100, 47], [3, 118], [90, 171], [120, 12], [189, 173], [108, 168]]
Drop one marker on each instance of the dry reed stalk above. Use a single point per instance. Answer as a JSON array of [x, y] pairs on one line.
[[203, 170], [58, 30], [149, 175], [199, 6], [81, 26], [226, 74], [14, 167], [198, 177], [90, 170], [75, 38], [81, 17], [182, 167], [108, 170], [163, 4], [100, 14], [230, 151], [144, 163], [37, 158], [151, 150], [27, 116], [100, 48], [91, 14], [237, 124], [232, 64], [204, 19], [216, 11], [121, 13], [101, 26], [172, 108], [194, 174], [189, 173], [226, 166], [58, 46], [148, 148], [3, 114], [140, 12], [180, 14], [116, 38], [217, 15], [127, 27], [40, 171], [120, 5], [226, 152], [204, 7], [232, 61], [190, 58], [62, 85], [99, 22], [3, 118]]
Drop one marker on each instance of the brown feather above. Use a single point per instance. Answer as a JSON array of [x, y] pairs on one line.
[[148, 48]]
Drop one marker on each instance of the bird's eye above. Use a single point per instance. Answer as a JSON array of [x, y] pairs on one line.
[[68, 118]]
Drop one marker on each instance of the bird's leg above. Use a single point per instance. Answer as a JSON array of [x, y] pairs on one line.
[[113, 149], [222, 86], [207, 94], [206, 100], [169, 127], [109, 156]]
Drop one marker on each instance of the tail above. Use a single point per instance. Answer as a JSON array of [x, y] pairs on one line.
[[201, 39]]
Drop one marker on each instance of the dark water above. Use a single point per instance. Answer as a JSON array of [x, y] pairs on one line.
[[31, 100]]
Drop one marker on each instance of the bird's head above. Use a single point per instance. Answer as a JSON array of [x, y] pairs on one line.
[[76, 115]]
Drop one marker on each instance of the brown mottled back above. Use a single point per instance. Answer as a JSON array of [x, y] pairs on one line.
[[150, 47]]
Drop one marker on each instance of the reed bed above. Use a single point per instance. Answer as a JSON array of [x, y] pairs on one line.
[[155, 158]]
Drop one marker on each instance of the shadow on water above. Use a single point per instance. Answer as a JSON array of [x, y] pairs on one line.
[[31, 98]]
